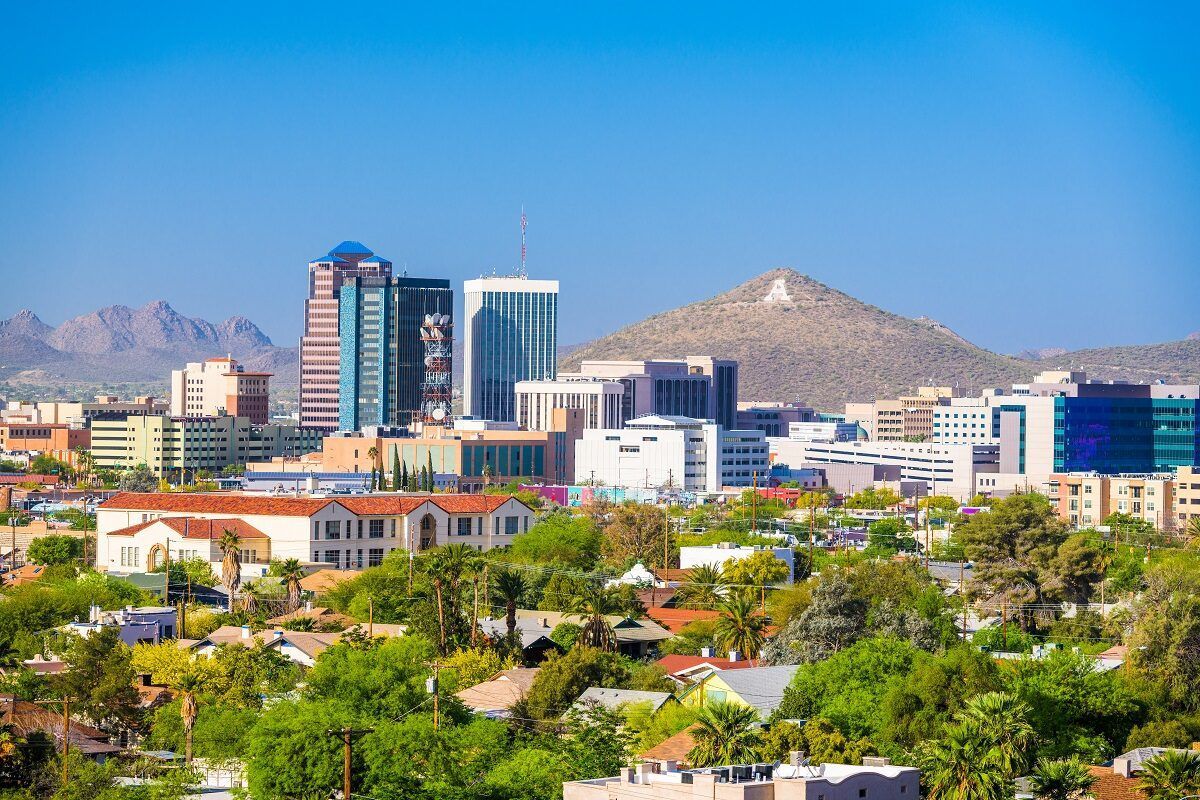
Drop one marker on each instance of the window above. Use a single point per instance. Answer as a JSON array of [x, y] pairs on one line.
[[376, 529], [333, 557], [374, 556], [510, 525], [862, 792], [333, 529], [464, 526]]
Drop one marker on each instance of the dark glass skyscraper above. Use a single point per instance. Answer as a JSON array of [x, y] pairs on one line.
[[382, 355]]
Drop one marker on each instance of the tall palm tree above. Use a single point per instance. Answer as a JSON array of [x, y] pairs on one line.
[[509, 585], [252, 595], [1002, 721], [1066, 779], [741, 627], [705, 587], [962, 766], [725, 733], [187, 687], [290, 573], [595, 603], [1171, 775], [447, 566], [231, 562]]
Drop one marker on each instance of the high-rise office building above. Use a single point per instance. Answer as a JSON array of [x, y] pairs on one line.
[[320, 351], [382, 359], [510, 334], [701, 387]]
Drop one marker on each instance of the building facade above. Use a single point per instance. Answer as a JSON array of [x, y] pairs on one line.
[[510, 334], [600, 401], [320, 348], [1187, 497], [773, 419], [694, 455], [57, 440], [382, 360], [477, 457], [220, 386], [168, 444], [1086, 500], [700, 387], [137, 532]]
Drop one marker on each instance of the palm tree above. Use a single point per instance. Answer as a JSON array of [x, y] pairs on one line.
[[704, 588], [1003, 722], [231, 562], [725, 733], [187, 687], [962, 766], [1066, 779], [594, 603], [509, 586], [741, 627], [373, 454], [1193, 528], [1171, 775], [290, 572], [447, 566], [252, 595]]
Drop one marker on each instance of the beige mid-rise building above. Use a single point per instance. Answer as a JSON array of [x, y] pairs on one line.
[[1187, 497], [1086, 500], [220, 386]]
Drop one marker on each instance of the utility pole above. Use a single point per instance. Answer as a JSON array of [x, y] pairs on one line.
[[66, 736], [432, 686], [347, 734]]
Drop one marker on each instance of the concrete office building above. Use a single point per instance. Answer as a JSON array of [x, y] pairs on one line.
[[168, 444], [700, 387], [695, 455], [1187, 497], [864, 415], [478, 454], [823, 431], [944, 469], [598, 399], [78, 414], [909, 418], [1087, 500], [58, 440], [510, 334], [772, 419], [382, 358], [220, 386], [320, 347]]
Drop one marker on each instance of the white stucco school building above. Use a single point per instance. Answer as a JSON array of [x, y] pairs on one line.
[[137, 531]]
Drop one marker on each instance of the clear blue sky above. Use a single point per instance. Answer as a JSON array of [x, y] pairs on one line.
[[1029, 173]]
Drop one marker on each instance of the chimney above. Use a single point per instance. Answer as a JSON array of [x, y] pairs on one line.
[[278, 634], [734, 655], [545, 622], [706, 652], [626, 774], [1123, 767], [245, 631], [797, 758], [644, 771]]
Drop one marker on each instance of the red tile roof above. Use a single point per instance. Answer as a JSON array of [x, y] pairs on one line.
[[194, 528], [675, 748], [470, 503], [217, 503], [675, 618], [1111, 786], [13, 480], [674, 663], [382, 505]]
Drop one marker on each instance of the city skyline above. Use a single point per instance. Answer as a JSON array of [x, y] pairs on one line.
[[910, 160]]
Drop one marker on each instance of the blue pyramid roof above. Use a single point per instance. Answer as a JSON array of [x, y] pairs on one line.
[[351, 248], [375, 260], [329, 258]]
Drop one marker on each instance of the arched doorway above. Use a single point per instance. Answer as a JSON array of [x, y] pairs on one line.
[[428, 532], [156, 558]]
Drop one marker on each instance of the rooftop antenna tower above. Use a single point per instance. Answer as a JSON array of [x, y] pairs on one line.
[[436, 333], [524, 223]]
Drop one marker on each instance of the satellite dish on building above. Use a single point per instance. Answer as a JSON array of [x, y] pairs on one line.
[[439, 414]]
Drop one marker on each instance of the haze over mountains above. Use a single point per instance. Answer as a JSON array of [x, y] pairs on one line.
[[118, 344], [795, 337]]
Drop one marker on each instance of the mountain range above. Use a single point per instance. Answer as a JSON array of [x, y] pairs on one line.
[[118, 344], [796, 339]]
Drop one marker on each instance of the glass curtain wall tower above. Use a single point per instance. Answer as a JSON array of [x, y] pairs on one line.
[[510, 334]]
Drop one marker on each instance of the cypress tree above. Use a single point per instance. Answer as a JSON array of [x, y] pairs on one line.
[[429, 471], [396, 469], [402, 479]]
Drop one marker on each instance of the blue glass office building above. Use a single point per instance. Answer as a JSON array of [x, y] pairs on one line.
[[510, 334], [382, 360], [1126, 428]]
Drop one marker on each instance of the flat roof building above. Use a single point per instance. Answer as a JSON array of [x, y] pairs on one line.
[[598, 399], [219, 387]]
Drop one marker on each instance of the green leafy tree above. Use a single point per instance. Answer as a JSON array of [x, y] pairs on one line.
[[383, 679], [835, 620], [559, 538], [874, 499], [634, 532], [55, 550], [565, 634], [754, 573], [890, 535], [563, 678], [725, 733], [925, 701], [137, 479], [100, 676]]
